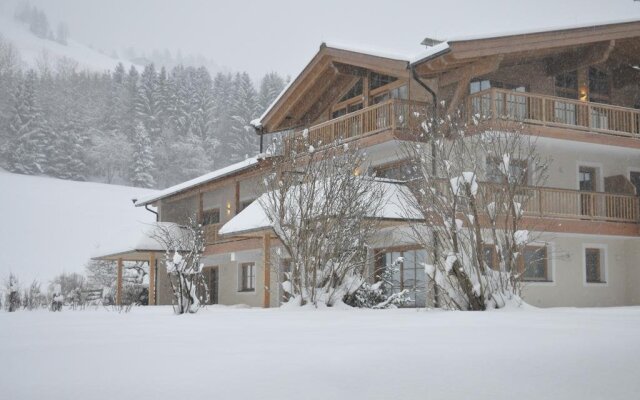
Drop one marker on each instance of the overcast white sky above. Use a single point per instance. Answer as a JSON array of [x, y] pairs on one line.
[[282, 35]]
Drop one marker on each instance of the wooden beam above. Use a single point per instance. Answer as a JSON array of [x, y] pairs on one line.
[[346, 69], [266, 263], [460, 92], [481, 67], [119, 282], [581, 58], [152, 278]]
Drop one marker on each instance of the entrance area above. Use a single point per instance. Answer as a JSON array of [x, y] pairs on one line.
[[211, 279], [408, 272]]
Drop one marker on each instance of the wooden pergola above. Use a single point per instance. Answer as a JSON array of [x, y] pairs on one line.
[[135, 255]]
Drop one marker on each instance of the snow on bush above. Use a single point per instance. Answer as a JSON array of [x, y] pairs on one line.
[[319, 209], [473, 229], [184, 245]]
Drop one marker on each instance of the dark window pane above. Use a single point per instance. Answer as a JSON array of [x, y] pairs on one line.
[[356, 90], [211, 216], [535, 264], [592, 261], [378, 80]]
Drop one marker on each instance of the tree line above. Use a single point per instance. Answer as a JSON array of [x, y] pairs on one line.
[[146, 127]]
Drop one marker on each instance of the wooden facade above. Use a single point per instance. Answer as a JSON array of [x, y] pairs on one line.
[[344, 96]]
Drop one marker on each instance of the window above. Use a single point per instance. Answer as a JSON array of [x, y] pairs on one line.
[[377, 80], [354, 107], [599, 84], [634, 177], [211, 216], [408, 272], [587, 183], [518, 171], [479, 86], [356, 90], [247, 277], [245, 203], [594, 265], [534, 264], [587, 178], [490, 256], [510, 105], [339, 113], [401, 171], [567, 83]]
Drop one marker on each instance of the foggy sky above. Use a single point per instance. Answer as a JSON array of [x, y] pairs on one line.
[[282, 35]]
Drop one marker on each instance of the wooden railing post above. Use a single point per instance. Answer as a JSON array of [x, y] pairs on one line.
[[540, 202], [393, 114], [493, 99]]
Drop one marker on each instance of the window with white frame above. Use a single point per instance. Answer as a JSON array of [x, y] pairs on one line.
[[594, 264], [247, 277]]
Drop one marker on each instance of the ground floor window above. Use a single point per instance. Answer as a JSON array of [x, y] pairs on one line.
[[534, 264], [594, 265], [247, 277], [408, 272]]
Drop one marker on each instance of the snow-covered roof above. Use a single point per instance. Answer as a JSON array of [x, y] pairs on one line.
[[394, 207], [542, 29], [257, 123], [437, 50], [430, 52], [135, 240], [211, 176]]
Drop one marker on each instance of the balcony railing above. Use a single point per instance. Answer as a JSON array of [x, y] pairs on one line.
[[564, 203], [555, 111], [575, 204], [394, 114]]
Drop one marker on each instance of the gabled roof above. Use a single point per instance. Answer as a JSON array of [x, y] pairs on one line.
[[457, 52], [320, 76], [394, 207], [206, 178]]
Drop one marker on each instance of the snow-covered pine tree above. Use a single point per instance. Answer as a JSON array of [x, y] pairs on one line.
[[130, 95], [147, 101], [223, 96], [142, 162], [27, 132], [203, 108], [270, 87], [242, 140]]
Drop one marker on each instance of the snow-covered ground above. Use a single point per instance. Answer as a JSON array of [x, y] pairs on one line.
[[49, 226], [31, 48], [227, 353]]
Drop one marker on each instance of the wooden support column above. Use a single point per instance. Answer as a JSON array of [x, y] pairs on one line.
[[266, 263], [152, 278], [237, 198], [119, 283]]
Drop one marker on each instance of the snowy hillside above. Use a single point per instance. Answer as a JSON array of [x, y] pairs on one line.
[[50, 225], [31, 48]]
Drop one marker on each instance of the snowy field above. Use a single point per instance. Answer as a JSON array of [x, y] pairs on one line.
[[227, 353], [68, 222]]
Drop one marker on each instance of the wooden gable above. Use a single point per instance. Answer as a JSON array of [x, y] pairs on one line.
[[330, 73]]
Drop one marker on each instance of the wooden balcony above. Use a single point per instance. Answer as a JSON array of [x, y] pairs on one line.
[[555, 111], [393, 114], [565, 203], [575, 204]]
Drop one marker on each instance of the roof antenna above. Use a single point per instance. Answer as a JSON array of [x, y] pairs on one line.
[[430, 42]]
